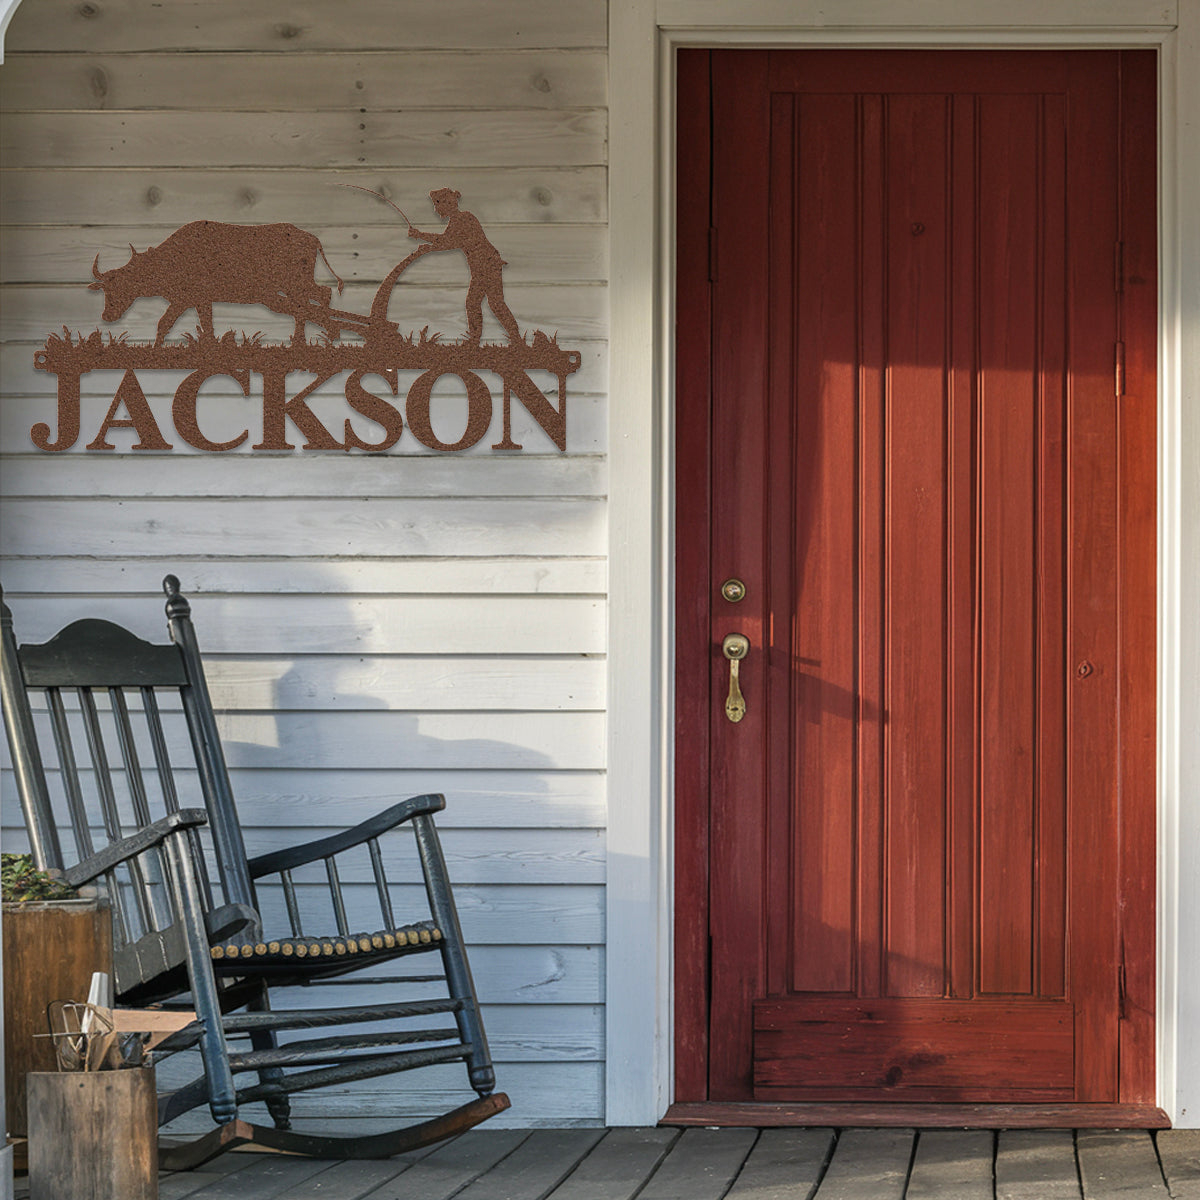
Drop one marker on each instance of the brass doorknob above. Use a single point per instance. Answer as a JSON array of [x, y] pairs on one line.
[[735, 647]]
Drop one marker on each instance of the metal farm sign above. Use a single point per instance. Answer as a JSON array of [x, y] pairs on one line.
[[205, 263]]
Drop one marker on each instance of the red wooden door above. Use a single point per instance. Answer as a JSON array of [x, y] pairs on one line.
[[921, 867]]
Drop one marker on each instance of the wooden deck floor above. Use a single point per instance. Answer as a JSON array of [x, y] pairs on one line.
[[732, 1164]]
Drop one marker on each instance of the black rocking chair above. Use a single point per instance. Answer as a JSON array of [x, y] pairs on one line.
[[90, 706]]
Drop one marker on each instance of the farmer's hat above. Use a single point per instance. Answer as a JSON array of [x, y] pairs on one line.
[[444, 194]]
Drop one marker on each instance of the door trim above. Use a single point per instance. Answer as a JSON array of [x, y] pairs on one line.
[[643, 38]]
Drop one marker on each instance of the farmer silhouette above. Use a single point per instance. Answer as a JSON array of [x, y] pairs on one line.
[[464, 232]]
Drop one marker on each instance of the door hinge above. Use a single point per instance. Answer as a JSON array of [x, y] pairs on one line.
[[712, 255], [1119, 369], [1119, 267]]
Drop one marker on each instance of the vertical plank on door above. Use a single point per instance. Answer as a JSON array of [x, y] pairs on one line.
[[1008, 271], [915, 641], [739, 452], [822, 391]]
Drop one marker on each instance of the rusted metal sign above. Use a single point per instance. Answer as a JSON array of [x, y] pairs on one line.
[[205, 263]]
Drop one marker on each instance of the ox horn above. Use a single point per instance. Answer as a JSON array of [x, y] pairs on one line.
[[96, 268]]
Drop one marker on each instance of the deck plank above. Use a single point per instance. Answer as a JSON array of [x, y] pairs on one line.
[[1179, 1153], [952, 1163], [1036, 1164], [265, 1177], [449, 1168], [868, 1164], [1119, 1163], [785, 1164], [353, 1180], [618, 1166], [175, 1185], [701, 1165], [535, 1168]]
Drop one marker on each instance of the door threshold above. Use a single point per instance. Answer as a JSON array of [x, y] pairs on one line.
[[928, 1116]]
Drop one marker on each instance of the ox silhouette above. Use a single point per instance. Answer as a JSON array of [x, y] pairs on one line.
[[206, 262]]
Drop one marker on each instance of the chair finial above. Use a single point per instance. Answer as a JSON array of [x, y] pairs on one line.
[[177, 605]]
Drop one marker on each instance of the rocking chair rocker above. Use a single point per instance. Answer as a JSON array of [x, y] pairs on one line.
[[101, 708]]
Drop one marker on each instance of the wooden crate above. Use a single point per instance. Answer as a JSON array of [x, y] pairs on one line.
[[93, 1134], [51, 949]]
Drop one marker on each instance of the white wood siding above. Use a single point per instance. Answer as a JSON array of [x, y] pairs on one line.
[[375, 625]]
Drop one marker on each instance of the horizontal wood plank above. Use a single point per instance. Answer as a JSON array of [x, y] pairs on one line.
[[375, 740], [300, 800], [165, 196], [53, 475], [136, 581], [337, 528], [545, 1033], [410, 684], [473, 856], [131, 25], [446, 138], [362, 624], [378, 740], [543, 253], [299, 80]]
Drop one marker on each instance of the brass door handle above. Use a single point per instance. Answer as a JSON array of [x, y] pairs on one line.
[[735, 647]]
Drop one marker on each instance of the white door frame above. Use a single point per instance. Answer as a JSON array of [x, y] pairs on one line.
[[643, 38]]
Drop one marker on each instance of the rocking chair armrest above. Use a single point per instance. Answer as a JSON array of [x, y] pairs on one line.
[[137, 843], [314, 851]]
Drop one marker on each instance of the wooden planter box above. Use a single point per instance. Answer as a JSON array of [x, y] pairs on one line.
[[93, 1135], [51, 948]]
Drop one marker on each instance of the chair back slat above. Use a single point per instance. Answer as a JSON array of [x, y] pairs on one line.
[[101, 770], [335, 891], [293, 907], [381, 883], [69, 773], [129, 755], [162, 757]]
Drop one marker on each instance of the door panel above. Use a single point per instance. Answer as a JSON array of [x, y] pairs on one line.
[[913, 874]]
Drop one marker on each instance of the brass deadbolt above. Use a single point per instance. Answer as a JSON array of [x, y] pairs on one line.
[[733, 590]]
